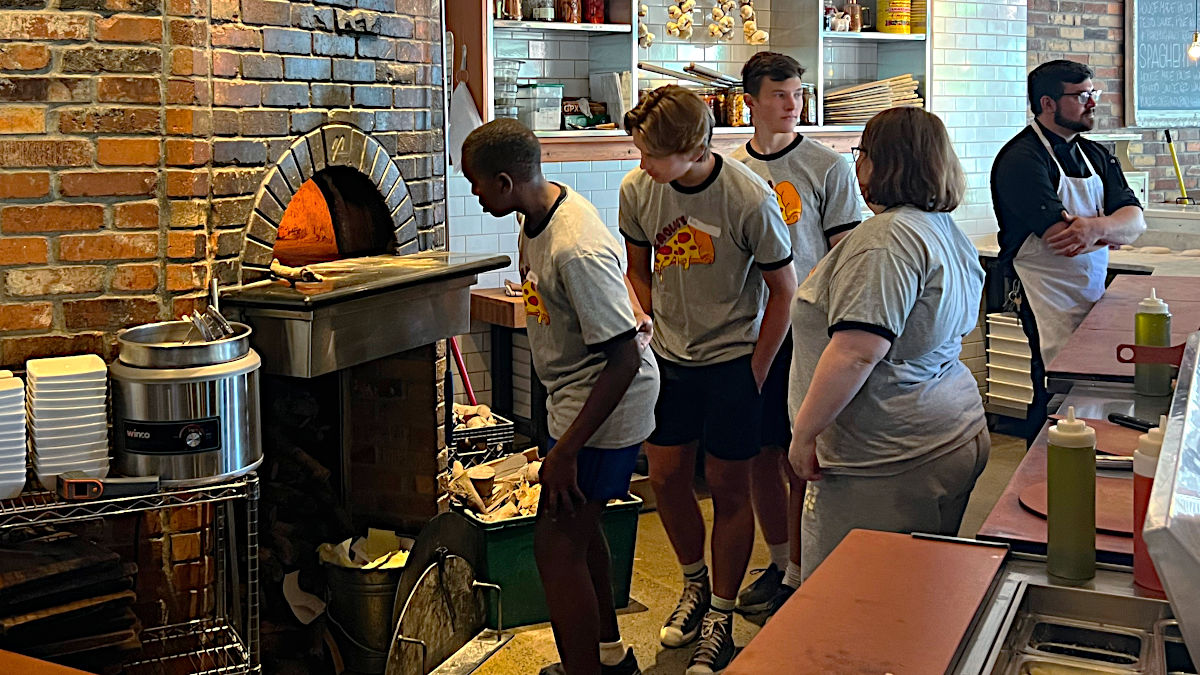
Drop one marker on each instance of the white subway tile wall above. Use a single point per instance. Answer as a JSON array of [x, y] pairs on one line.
[[563, 58], [675, 53]]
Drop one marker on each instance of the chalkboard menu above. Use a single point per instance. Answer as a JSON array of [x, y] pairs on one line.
[[1162, 83]]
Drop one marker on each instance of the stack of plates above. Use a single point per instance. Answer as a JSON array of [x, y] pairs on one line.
[[12, 435], [68, 419]]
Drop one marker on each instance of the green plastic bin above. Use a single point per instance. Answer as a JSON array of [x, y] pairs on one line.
[[508, 562]]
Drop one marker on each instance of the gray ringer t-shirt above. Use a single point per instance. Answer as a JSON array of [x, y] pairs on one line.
[[914, 278], [706, 241], [575, 303], [817, 193]]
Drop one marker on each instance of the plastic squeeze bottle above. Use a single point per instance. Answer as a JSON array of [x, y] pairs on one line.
[[1145, 462], [1152, 328], [1071, 500]]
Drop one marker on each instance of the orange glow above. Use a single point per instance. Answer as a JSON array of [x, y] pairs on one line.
[[306, 233]]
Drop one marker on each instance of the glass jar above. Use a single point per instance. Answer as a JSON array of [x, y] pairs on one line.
[[570, 11], [737, 113], [808, 114], [711, 99], [593, 11], [508, 9], [543, 10]]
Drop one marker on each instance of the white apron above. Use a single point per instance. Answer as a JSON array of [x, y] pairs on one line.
[[1062, 290]]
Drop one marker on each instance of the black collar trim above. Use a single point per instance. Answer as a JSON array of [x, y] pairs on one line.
[[774, 155], [532, 232], [712, 177]]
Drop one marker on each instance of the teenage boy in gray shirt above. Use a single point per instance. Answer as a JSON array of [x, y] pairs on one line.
[[601, 384], [706, 244], [818, 196]]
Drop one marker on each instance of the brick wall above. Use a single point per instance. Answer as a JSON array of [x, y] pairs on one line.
[[135, 133], [1094, 33]]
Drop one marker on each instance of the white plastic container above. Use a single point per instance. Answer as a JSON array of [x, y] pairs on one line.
[[1008, 345], [84, 367], [1011, 391], [1010, 375], [91, 401], [1006, 360], [67, 421]]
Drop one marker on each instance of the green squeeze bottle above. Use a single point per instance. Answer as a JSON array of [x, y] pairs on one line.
[[1152, 328], [1071, 500]]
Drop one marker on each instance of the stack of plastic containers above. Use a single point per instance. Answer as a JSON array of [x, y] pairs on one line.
[[539, 106], [506, 87], [68, 418], [12, 435]]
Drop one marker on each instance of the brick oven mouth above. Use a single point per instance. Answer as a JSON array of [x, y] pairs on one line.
[[338, 213]]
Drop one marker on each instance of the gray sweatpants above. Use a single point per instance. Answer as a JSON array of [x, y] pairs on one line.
[[928, 498]]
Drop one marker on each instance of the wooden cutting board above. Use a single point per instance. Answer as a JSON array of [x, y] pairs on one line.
[[1114, 504], [880, 603]]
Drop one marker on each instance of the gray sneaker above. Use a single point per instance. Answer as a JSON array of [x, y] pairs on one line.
[[684, 623], [627, 666], [715, 650], [757, 596]]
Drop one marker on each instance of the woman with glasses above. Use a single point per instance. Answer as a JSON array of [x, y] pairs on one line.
[[1060, 200], [888, 422]]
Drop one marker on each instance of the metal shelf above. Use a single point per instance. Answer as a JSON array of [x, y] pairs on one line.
[[43, 507], [872, 36], [203, 647], [559, 25]]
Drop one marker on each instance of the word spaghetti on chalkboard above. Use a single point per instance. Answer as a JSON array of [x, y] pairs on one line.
[[1162, 83]]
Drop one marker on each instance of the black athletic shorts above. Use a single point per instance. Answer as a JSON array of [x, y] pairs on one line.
[[776, 422], [717, 404]]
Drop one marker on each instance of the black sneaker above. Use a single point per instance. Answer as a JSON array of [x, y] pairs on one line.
[[715, 650], [781, 597], [627, 666], [757, 596], [684, 623]]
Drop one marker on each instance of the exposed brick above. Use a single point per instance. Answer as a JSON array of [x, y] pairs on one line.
[[370, 47], [109, 313], [237, 94], [266, 12], [187, 214], [186, 277], [129, 89], [22, 4], [16, 56], [185, 304], [262, 67], [108, 120], [186, 245], [351, 70], [236, 181], [59, 280], [26, 316], [185, 92], [22, 251], [188, 153], [24, 185], [136, 216], [15, 351], [51, 218], [306, 68], [243, 153], [107, 246], [189, 33], [226, 10], [23, 120], [187, 61], [45, 153], [133, 6], [396, 26], [303, 122], [264, 123], [226, 244], [130, 29], [370, 96], [107, 183], [127, 151], [111, 60], [312, 18], [231, 212], [325, 44], [21, 26], [286, 41], [187, 7], [289, 95], [225, 63], [225, 122], [233, 36], [135, 277], [188, 122], [48, 89], [330, 95], [187, 183]]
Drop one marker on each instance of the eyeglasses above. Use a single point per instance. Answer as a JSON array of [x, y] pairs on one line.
[[1083, 96], [857, 152]]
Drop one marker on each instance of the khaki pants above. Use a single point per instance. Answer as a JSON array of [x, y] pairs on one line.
[[929, 498]]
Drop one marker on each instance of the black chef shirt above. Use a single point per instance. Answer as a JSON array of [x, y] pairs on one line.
[[1025, 185]]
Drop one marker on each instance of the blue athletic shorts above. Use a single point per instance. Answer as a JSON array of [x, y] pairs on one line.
[[604, 474]]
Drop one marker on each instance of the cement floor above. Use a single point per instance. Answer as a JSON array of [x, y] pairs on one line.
[[656, 584]]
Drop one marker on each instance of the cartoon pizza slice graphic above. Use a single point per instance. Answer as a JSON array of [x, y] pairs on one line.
[[691, 244], [789, 202], [533, 300]]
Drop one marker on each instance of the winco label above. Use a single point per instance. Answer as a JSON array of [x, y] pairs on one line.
[[171, 438]]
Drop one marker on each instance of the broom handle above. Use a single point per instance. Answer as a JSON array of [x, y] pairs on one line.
[[462, 370], [1175, 160]]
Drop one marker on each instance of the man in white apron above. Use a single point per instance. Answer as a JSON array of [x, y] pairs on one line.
[[1061, 201]]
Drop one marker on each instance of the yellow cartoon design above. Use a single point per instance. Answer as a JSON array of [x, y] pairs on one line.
[[533, 300], [686, 247], [789, 202]]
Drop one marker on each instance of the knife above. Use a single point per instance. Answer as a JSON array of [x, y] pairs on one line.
[[1130, 422]]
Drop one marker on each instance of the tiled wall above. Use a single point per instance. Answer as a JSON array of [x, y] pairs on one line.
[[563, 59]]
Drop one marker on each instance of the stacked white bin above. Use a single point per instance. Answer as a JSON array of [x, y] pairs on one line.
[[1008, 361]]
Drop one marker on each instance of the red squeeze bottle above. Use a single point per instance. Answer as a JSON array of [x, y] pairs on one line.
[[1145, 462]]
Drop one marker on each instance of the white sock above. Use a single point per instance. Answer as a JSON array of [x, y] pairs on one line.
[[724, 605], [612, 653], [779, 554], [694, 570], [791, 577]]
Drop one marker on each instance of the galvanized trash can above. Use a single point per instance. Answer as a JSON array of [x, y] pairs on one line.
[[360, 606]]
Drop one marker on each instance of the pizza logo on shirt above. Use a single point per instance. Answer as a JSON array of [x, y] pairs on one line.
[[533, 300], [789, 202], [685, 242]]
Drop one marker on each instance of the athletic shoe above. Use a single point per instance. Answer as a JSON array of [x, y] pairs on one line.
[[684, 623], [781, 597], [715, 650], [627, 666], [757, 596]]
